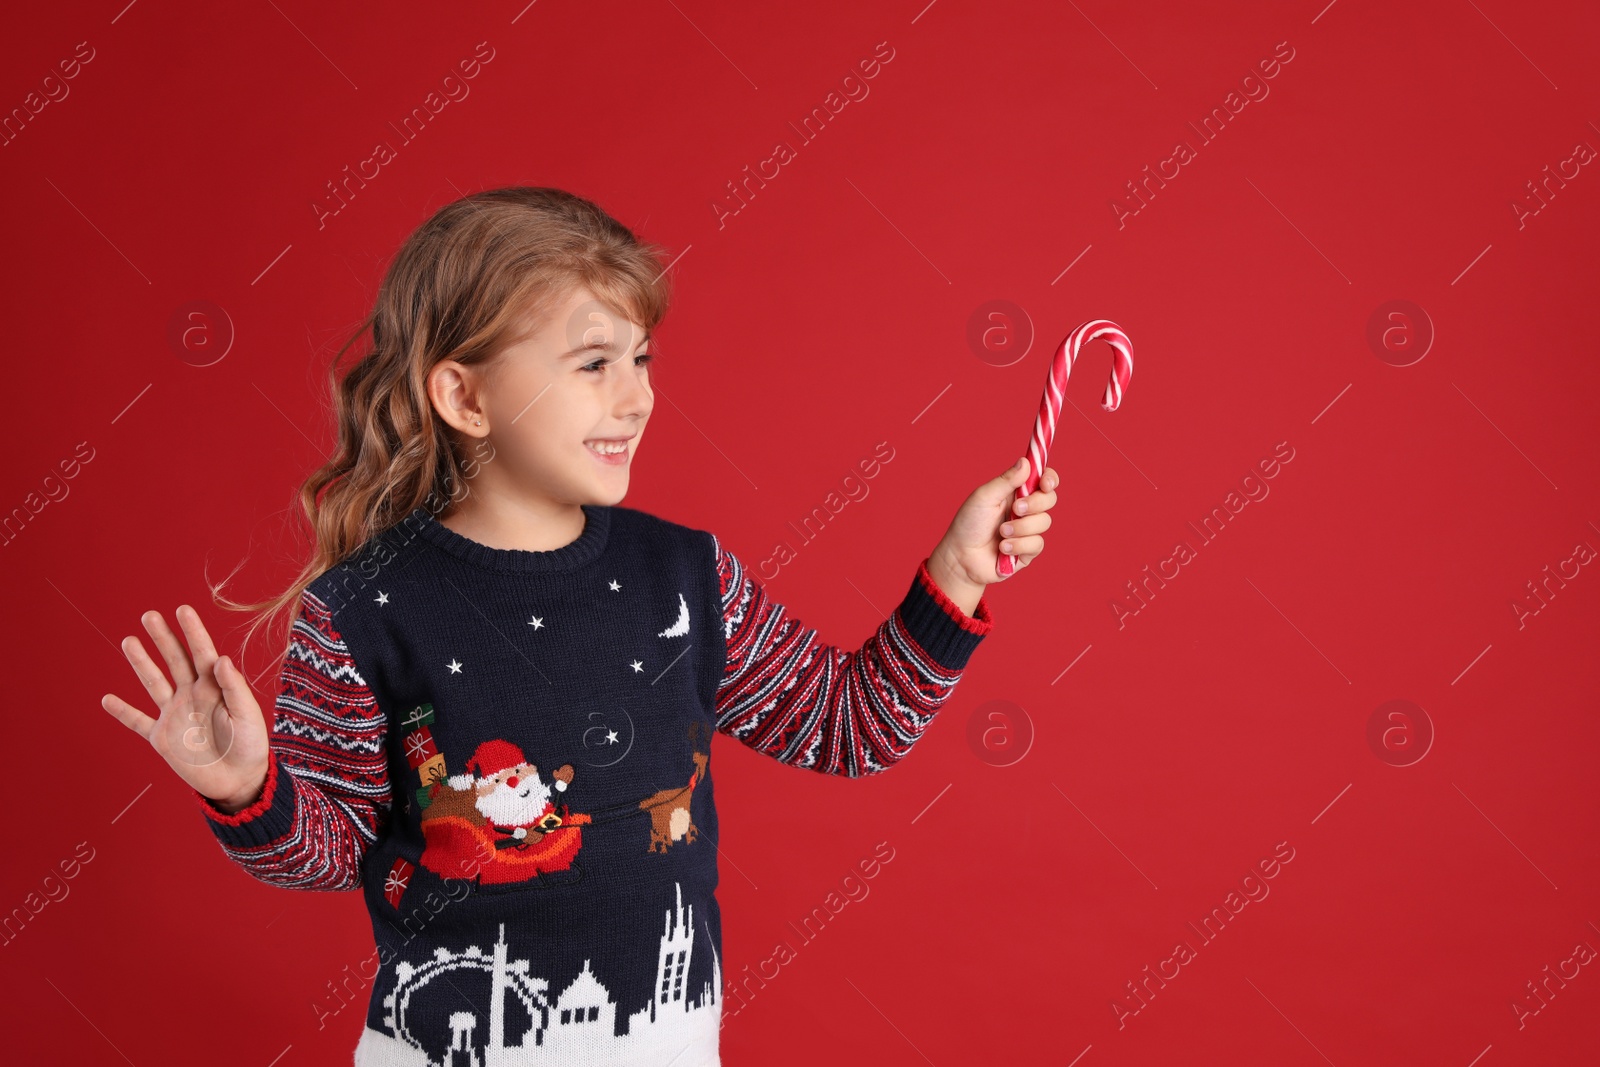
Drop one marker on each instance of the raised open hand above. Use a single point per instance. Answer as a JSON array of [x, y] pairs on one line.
[[210, 729]]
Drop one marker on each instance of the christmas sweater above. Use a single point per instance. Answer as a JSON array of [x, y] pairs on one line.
[[509, 753]]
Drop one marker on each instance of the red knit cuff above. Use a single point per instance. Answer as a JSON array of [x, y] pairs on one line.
[[243, 815], [979, 622]]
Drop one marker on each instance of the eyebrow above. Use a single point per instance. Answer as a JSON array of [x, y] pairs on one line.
[[607, 347]]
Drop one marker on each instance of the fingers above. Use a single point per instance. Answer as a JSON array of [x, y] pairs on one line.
[[155, 683], [236, 693], [1041, 499], [1023, 547], [194, 631], [177, 659], [1035, 502], [1026, 526], [128, 715]]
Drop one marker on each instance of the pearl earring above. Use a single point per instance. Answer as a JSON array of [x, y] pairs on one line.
[[477, 422]]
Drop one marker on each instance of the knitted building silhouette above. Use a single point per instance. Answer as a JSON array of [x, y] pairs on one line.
[[579, 1025]]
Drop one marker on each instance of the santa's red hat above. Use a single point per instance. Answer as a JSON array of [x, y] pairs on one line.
[[492, 757]]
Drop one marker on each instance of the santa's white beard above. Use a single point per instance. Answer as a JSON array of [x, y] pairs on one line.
[[506, 806]]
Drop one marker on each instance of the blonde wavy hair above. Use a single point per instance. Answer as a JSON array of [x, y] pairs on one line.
[[463, 286]]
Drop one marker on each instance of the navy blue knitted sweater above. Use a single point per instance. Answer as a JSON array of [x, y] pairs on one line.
[[508, 753]]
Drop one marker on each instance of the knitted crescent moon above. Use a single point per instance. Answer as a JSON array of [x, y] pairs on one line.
[[681, 627]]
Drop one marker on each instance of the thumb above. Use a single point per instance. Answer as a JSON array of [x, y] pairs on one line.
[[996, 491], [1014, 478]]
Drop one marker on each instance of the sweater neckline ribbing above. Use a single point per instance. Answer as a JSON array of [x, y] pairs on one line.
[[585, 549]]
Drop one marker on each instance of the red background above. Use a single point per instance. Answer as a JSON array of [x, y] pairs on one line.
[[829, 314]]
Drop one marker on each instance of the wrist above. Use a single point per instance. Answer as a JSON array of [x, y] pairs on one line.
[[962, 591], [232, 805]]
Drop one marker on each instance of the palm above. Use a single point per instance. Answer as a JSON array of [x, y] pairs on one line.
[[198, 738], [972, 531]]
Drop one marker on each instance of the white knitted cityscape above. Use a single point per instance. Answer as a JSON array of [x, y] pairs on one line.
[[578, 1027]]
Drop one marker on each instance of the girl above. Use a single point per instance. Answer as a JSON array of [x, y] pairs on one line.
[[495, 713]]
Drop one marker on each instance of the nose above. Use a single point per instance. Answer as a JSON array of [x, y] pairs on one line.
[[634, 397], [512, 781]]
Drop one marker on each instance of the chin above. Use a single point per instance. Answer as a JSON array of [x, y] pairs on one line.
[[613, 496]]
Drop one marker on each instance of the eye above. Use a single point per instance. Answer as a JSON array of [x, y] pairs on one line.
[[600, 365]]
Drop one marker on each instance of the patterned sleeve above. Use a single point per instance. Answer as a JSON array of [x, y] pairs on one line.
[[327, 794], [786, 694]]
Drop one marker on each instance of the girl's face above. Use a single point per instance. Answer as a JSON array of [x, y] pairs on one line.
[[555, 402]]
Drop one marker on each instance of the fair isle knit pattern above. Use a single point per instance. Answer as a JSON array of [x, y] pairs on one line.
[[822, 708], [328, 735], [508, 753]]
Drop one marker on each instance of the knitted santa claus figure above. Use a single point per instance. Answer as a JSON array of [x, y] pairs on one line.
[[508, 790]]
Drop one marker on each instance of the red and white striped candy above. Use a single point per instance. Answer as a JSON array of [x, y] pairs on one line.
[[1044, 427]]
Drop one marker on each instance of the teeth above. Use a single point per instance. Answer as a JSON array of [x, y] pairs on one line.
[[607, 448]]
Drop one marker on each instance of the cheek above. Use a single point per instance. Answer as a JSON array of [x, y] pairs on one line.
[[548, 413], [513, 390]]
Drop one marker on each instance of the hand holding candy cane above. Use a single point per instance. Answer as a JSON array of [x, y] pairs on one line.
[[1018, 501], [965, 559], [1044, 427]]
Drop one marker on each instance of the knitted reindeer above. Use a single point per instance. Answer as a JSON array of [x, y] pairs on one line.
[[669, 809]]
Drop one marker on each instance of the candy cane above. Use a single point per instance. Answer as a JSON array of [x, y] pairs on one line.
[[1044, 427]]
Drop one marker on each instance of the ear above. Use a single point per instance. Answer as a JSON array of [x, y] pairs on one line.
[[456, 392]]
